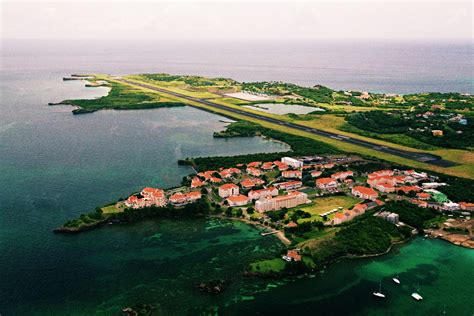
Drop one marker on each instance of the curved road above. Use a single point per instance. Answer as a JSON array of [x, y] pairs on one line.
[[417, 156]]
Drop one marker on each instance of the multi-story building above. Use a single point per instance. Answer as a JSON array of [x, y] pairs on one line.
[[385, 187], [389, 217], [196, 183], [409, 188], [281, 165], [237, 200], [254, 164], [316, 173], [254, 171], [365, 193], [342, 175], [290, 200], [154, 196], [466, 206], [251, 182], [134, 202], [292, 174], [184, 198], [228, 189], [257, 194], [150, 197], [326, 184], [290, 185], [295, 163], [267, 165]]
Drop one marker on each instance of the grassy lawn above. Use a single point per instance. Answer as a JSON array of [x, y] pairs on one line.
[[113, 208], [179, 87], [271, 175], [309, 191], [401, 139], [324, 204], [256, 215], [268, 266], [350, 108]]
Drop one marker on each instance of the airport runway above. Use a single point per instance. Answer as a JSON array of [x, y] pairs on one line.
[[417, 156]]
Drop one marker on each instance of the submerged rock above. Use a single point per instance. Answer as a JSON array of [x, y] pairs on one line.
[[212, 287], [138, 310]]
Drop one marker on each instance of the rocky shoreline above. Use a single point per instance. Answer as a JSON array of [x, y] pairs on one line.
[[77, 230]]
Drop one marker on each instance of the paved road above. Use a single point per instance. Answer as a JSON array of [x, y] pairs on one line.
[[417, 156]]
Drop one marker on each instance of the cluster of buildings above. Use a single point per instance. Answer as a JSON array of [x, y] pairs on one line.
[[244, 185], [292, 199], [156, 197], [148, 197], [386, 181], [269, 197], [333, 182], [407, 182]]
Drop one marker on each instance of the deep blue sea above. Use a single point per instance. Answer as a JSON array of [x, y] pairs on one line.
[[392, 67], [54, 166]]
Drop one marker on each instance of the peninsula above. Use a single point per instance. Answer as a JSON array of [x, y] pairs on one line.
[[320, 198]]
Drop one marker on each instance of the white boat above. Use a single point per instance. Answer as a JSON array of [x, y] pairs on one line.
[[379, 293], [396, 279], [416, 296]]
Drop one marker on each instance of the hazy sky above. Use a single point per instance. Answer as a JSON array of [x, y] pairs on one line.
[[237, 19]]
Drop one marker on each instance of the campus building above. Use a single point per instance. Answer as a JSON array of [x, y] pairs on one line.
[[295, 163], [290, 200], [228, 189], [364, 193]]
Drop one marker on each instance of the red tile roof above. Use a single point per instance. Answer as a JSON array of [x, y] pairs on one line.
[[238, 198], [325, 181], [365, 190], [194, 194], [342, 174], [228, 186], [407, 189], [195, 182], [379, 202], [423, 195], [177, 196], [339, 215], [293, 254], [254, 164], [132, 199]]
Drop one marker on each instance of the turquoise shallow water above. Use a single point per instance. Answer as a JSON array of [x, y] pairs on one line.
[[54, 166], [439, 271]]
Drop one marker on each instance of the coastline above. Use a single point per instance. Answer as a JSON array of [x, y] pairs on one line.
[[309, 258], [280, 235], [454, 240]]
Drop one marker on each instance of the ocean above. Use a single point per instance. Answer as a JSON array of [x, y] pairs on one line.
[[55, 166]]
